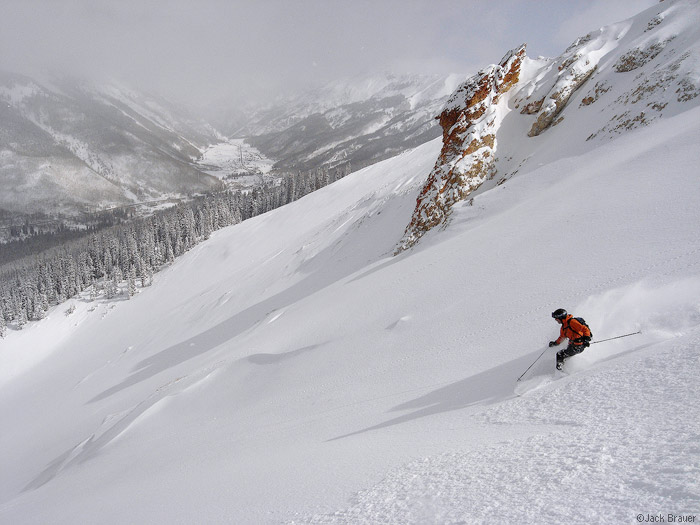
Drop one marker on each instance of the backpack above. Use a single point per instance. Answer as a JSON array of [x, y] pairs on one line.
[[584, 323]]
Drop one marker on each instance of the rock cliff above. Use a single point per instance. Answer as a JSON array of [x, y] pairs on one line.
[[608, 82], [469, 122]]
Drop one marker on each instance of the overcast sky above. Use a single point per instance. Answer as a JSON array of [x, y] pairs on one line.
[[202, 50]]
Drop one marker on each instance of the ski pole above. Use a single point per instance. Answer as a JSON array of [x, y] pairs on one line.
[[618, 337], [533, 364]]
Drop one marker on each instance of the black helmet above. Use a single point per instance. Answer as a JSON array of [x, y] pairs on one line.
[[559, 314]]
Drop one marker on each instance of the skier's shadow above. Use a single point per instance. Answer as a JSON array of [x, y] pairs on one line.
[[485, 388]]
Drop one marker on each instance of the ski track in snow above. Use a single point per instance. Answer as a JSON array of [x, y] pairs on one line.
[[586, 465]]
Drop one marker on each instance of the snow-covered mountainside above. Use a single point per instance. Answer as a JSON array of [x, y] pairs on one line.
[[361, 121], [65, 144], [612, 80], [292, 370]]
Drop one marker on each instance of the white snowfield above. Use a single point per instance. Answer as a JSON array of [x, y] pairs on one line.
[[290, 370], [234, 157]]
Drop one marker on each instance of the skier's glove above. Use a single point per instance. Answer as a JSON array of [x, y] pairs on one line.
[[553, 343]]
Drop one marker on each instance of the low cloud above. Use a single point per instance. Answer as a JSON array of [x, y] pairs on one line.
[[213, 49]]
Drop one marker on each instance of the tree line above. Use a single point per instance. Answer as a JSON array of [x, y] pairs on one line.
[[38, 232], [118, 260]]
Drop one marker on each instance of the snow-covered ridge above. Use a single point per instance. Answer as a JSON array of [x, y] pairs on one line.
[[608, 82], [332, 97], [357, 121]]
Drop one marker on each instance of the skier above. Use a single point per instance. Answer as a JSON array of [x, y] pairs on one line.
[[575, 330]]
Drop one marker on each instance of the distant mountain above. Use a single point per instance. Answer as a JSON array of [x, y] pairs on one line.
[[65, 144], [361, 121]]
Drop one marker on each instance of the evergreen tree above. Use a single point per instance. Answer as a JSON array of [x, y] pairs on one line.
[[3, 323], [92, 287], [98, 262], [131, 282], [146, 276], [41, 307], [21, 317]]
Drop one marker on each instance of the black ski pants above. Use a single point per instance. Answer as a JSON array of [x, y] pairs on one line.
[[570, 351]]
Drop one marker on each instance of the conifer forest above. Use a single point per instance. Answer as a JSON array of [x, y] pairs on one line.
[[116, 261]]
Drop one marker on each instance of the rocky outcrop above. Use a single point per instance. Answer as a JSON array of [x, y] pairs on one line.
[[469, 123], [610, 81], [636, 58], [573, 73]]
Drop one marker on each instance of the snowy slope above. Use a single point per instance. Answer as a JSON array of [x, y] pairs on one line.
[[274, 382], [291, 370]]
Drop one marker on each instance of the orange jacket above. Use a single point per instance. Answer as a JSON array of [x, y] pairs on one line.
[[571, 329]]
